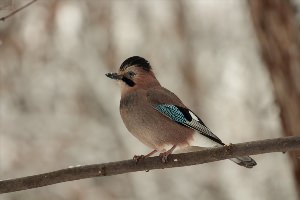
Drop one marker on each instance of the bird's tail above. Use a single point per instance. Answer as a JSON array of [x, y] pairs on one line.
[[244, 161]]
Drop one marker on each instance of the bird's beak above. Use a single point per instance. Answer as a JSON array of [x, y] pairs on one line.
[[115, 76]]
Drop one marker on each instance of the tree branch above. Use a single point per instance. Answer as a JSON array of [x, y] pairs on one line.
[[17, 10], [175, 160]]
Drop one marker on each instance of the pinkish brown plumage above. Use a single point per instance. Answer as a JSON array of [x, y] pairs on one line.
[[157, 117]]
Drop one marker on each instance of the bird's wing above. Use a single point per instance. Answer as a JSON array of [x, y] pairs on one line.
[[187, 118], [168, 104]]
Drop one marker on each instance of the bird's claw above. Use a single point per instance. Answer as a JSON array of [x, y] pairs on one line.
[[228, 147], [137, 158], [164, 157]]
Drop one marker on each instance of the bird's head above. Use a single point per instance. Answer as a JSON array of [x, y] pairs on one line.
[[134, 72]]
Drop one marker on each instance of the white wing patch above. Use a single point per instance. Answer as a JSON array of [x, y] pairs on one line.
[[193, 116]]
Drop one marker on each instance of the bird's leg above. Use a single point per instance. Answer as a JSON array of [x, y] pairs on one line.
[[137, 158], [164, 155]]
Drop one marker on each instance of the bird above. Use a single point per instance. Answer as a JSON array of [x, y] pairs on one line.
[[158, 118]]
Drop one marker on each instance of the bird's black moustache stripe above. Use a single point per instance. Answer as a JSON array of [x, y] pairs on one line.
[[128, 81]]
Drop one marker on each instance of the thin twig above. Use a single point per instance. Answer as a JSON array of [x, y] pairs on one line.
[[176, 160], [17, 10]]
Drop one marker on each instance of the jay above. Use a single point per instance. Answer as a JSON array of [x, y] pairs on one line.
[[158, 118]]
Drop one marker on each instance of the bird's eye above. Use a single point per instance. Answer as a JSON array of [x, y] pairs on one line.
[[131, 74]]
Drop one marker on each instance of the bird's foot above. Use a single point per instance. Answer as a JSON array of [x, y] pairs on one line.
[[137, 158], [228, 147], [164, 156], [142, 157]]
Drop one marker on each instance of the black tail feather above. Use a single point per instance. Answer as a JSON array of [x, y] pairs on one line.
[[244, 161]]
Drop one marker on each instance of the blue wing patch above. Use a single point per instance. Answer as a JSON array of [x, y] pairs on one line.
[[187, 118], [172, 112]]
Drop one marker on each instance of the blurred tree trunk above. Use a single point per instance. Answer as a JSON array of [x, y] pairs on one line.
[[278, 34]]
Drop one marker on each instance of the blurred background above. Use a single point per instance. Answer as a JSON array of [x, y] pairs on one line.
[[235, 63]]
